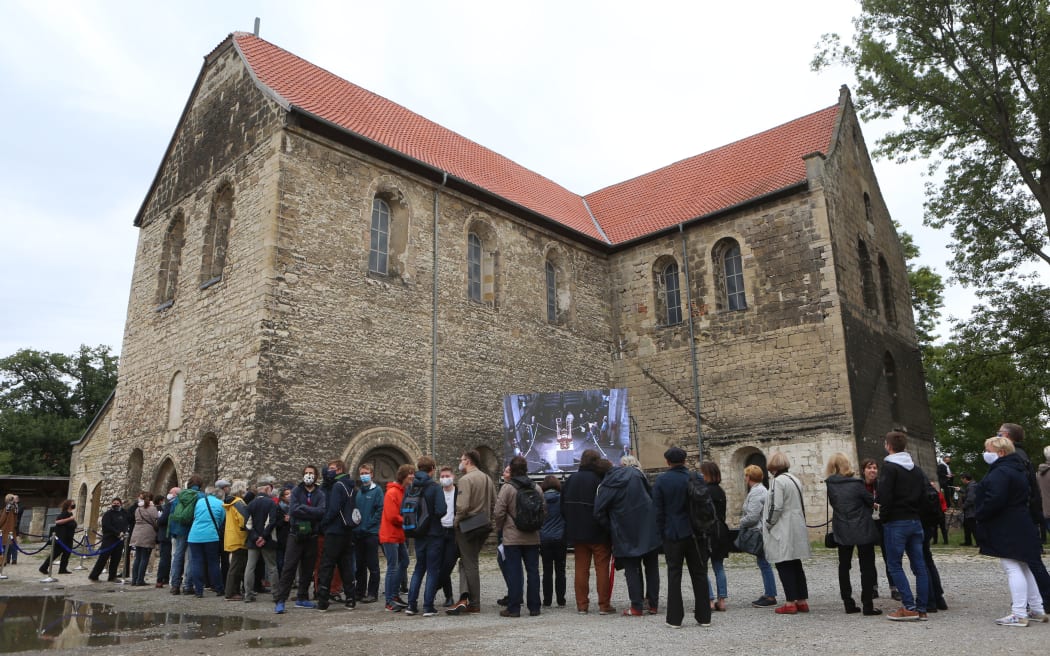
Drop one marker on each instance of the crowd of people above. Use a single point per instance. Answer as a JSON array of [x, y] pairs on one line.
[[327, 530]]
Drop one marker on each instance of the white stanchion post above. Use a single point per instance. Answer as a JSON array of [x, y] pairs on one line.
[[3, 556], [51, 560]]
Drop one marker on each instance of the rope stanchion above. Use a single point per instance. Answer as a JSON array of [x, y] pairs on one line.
[[51, 562], [3, 554], [19, 549]]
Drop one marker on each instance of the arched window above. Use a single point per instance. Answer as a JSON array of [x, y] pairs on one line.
[[170, 261], [207, 461], [867, 279], [81, 503], [176, 393], [888, 307], [867, 207], [667, 291], [552, 292], [474, 267], [379, 245], [728, 265], [558, 296], [482, 262], [216, 236], [889, 369]]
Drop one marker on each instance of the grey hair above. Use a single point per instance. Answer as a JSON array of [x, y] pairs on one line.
[[630, 461]]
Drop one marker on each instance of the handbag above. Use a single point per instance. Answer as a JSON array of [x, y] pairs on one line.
[[750, 541], [475, 525], [829, 537]]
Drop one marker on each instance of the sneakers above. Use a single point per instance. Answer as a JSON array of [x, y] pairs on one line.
[[903, 615], [672, 626], [393, 609], [279, 608], [429, 612], [1038, 617], [369, 599], [923, 617], [305, 603], [412, 610], [350, 604], [459, 609], [1012, 620], [249, 598], [608, 610], [399, 602], [895, 594], [787, 609], [581, 611], [322, 605], [764, 602], [632, 612]]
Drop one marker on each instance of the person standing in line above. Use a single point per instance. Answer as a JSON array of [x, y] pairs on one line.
[[476, 498], [1006, 531], [719, 547], [9, 528], [520, 545], [366, 536], [901, 487], [968, 503], [671, 503], [262, 536], [65, 528], [164, 537], [341, 516], [449, 550], [428, 540], [235, 543], [853, 528], [392, 537], [114, 530], [1015, 434], [143, 536], [589, 539], [306, 509], [204, 542], [1043, 478], [751, 520], [181, 580], [552, 544], [624, 506], [785, 536]]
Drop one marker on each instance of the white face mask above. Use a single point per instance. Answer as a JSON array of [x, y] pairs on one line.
[[141, 503], [170, 497], [309, 479], [990, 457], [462, 467], [446, 481]]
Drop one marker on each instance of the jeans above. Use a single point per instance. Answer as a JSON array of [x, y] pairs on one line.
[[205, 556], [396, 554], [677, 552], [428, 563], [769, 582], [517, 554], [553, 554], [366, 550], [906, 536], [178, 561], [138, 571], [638, 592], [719, 567], [600, 553]]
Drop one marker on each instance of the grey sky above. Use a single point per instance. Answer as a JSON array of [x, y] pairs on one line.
[[585, 93]]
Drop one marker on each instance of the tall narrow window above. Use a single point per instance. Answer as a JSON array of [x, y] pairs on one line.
[[871, 301], [379, 248], [474, 267], [216, 236], [668, 291], [552, 292], [170, 261], [888, 307], [733, 268], [867, 207]]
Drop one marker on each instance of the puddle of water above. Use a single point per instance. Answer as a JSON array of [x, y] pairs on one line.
[[269, 643], [56, 622]]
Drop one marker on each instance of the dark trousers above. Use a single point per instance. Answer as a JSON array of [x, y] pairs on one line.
[[111, 557], [164, 561], [366, 553], [553, 553], [57, 552], [793, 580], [638, 592], [204, 566], [299, 556], [1042, 579], [138, 572], [338, 552], [449, 556], [235, 576], [517, 555], [675, 553], [866, 556], [970, 532], [428, 563], [936, 591]]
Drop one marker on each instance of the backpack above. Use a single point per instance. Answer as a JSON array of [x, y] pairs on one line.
[[186, 504], [929, 502], [702, 517], [528, 507], [414, 512]]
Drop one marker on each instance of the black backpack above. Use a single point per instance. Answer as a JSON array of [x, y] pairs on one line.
[[528, 507], [929, 502], [415, 513], [702, 517]]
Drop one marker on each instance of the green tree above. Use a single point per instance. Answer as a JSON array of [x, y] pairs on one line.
[[46, 402], [927, 291], [971, 81]]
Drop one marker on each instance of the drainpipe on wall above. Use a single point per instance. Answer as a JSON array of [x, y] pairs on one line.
[[434, 326], [692, 344]]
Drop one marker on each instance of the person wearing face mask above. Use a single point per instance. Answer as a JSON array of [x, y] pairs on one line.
[[164, 537], [306, 509], [901, 486], [262, 535], [340, 519], [143, 537], [114, 530], [366, 536], [1005, 530], [65, 527], [449, 550], [476, 498]]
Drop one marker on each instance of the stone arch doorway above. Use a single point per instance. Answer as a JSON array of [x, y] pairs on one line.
[[386, 448], [93, 513], [134, 477], [167, 477], [81, 504], [207, 461], [744, 457]]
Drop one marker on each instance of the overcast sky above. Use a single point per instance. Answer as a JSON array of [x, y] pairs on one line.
[[585, 93]]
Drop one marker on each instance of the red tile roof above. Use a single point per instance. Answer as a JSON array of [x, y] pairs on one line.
[[688, 189]]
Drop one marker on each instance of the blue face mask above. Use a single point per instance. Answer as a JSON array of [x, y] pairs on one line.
[[366, 479]]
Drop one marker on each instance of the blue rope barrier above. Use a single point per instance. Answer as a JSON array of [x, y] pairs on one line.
[[90, 553]]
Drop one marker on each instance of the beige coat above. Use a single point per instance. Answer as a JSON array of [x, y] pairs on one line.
[[145, 532], [784, 522]]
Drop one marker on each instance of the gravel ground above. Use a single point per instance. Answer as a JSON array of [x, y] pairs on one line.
[[975, 587]]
